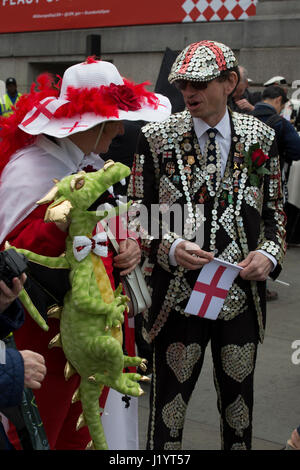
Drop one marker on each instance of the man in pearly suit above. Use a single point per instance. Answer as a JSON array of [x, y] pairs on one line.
[[204, 156]]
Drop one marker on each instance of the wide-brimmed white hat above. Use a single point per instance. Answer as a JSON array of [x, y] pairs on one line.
[[93, 92], [276, 79]]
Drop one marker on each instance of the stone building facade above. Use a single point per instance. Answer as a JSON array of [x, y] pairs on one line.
[[266, 44]]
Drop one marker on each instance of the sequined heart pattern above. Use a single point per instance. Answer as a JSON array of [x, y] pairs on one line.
[[182, 359], [238, 361]]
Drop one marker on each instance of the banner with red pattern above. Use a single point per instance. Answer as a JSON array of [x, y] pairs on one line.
[[43, 15]]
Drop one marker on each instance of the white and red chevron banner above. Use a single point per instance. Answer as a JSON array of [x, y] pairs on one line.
[[218, 10]]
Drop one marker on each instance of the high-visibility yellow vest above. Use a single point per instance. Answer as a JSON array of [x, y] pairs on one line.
[[6, 104]]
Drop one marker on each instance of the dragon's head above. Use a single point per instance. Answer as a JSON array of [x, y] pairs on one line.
[[86, 194]]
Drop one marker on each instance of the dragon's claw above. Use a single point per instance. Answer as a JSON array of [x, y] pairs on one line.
[[144, 378]]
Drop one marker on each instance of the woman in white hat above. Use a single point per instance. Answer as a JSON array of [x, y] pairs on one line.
[[52, 133]]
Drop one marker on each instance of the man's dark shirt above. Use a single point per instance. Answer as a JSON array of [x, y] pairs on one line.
[[288, 140]]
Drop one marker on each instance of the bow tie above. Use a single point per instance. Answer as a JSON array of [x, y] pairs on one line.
[[82, 246]]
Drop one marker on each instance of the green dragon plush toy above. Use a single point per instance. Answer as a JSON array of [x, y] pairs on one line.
[[91, 317]]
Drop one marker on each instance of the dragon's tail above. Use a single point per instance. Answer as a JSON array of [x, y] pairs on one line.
[[89, 397]]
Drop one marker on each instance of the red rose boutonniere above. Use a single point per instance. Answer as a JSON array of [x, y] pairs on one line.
[[255, 161]]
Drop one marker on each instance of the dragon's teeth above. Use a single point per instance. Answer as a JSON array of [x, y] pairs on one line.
[[123, 182], [111, 190], [107, 206]]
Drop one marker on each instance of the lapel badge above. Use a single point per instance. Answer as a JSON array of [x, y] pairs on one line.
[[187, 170], [239, 146], [167, 155], [170, 168]]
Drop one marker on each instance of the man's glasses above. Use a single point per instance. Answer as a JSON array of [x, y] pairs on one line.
[[182, 84]]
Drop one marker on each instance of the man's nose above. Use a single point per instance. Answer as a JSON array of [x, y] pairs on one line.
[[189, 90]]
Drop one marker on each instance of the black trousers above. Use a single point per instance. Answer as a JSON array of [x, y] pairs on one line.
[[177, 361]]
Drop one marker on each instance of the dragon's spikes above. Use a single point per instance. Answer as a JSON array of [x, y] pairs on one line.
[[90, 446], [50, 196], [69, 370], [55, 342], [144, 378], [54, 312], [80, 422], [76, 396]]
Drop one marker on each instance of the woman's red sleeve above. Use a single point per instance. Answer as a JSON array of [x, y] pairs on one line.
[[38, 236]]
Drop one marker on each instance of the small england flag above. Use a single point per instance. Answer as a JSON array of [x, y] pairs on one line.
[[211, 288]]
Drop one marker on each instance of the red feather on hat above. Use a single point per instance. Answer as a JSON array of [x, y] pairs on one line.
[[107, 100]]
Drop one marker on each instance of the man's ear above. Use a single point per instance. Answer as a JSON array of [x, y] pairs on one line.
[[278, 104], [231, 82]]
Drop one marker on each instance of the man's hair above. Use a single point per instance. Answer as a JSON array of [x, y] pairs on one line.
[[274, 91], [243, 73]]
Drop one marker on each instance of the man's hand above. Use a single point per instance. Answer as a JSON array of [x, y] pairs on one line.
[[190, 256], [7, 295], [244, 104], [34, 369], [256, 267], [129, 256]]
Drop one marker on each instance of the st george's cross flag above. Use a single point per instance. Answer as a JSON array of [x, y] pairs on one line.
[[211, 289]]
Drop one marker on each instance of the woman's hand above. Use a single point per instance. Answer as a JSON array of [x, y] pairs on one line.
[[129, 256]]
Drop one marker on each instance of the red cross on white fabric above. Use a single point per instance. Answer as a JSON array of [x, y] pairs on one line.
[[74, 126], [41, 108], [211, 290], [167, 155]]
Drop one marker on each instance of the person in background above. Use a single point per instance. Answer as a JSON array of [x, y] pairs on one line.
[[288, 111], [268, 110], [293, 443], [239, 101], [10, 98]]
